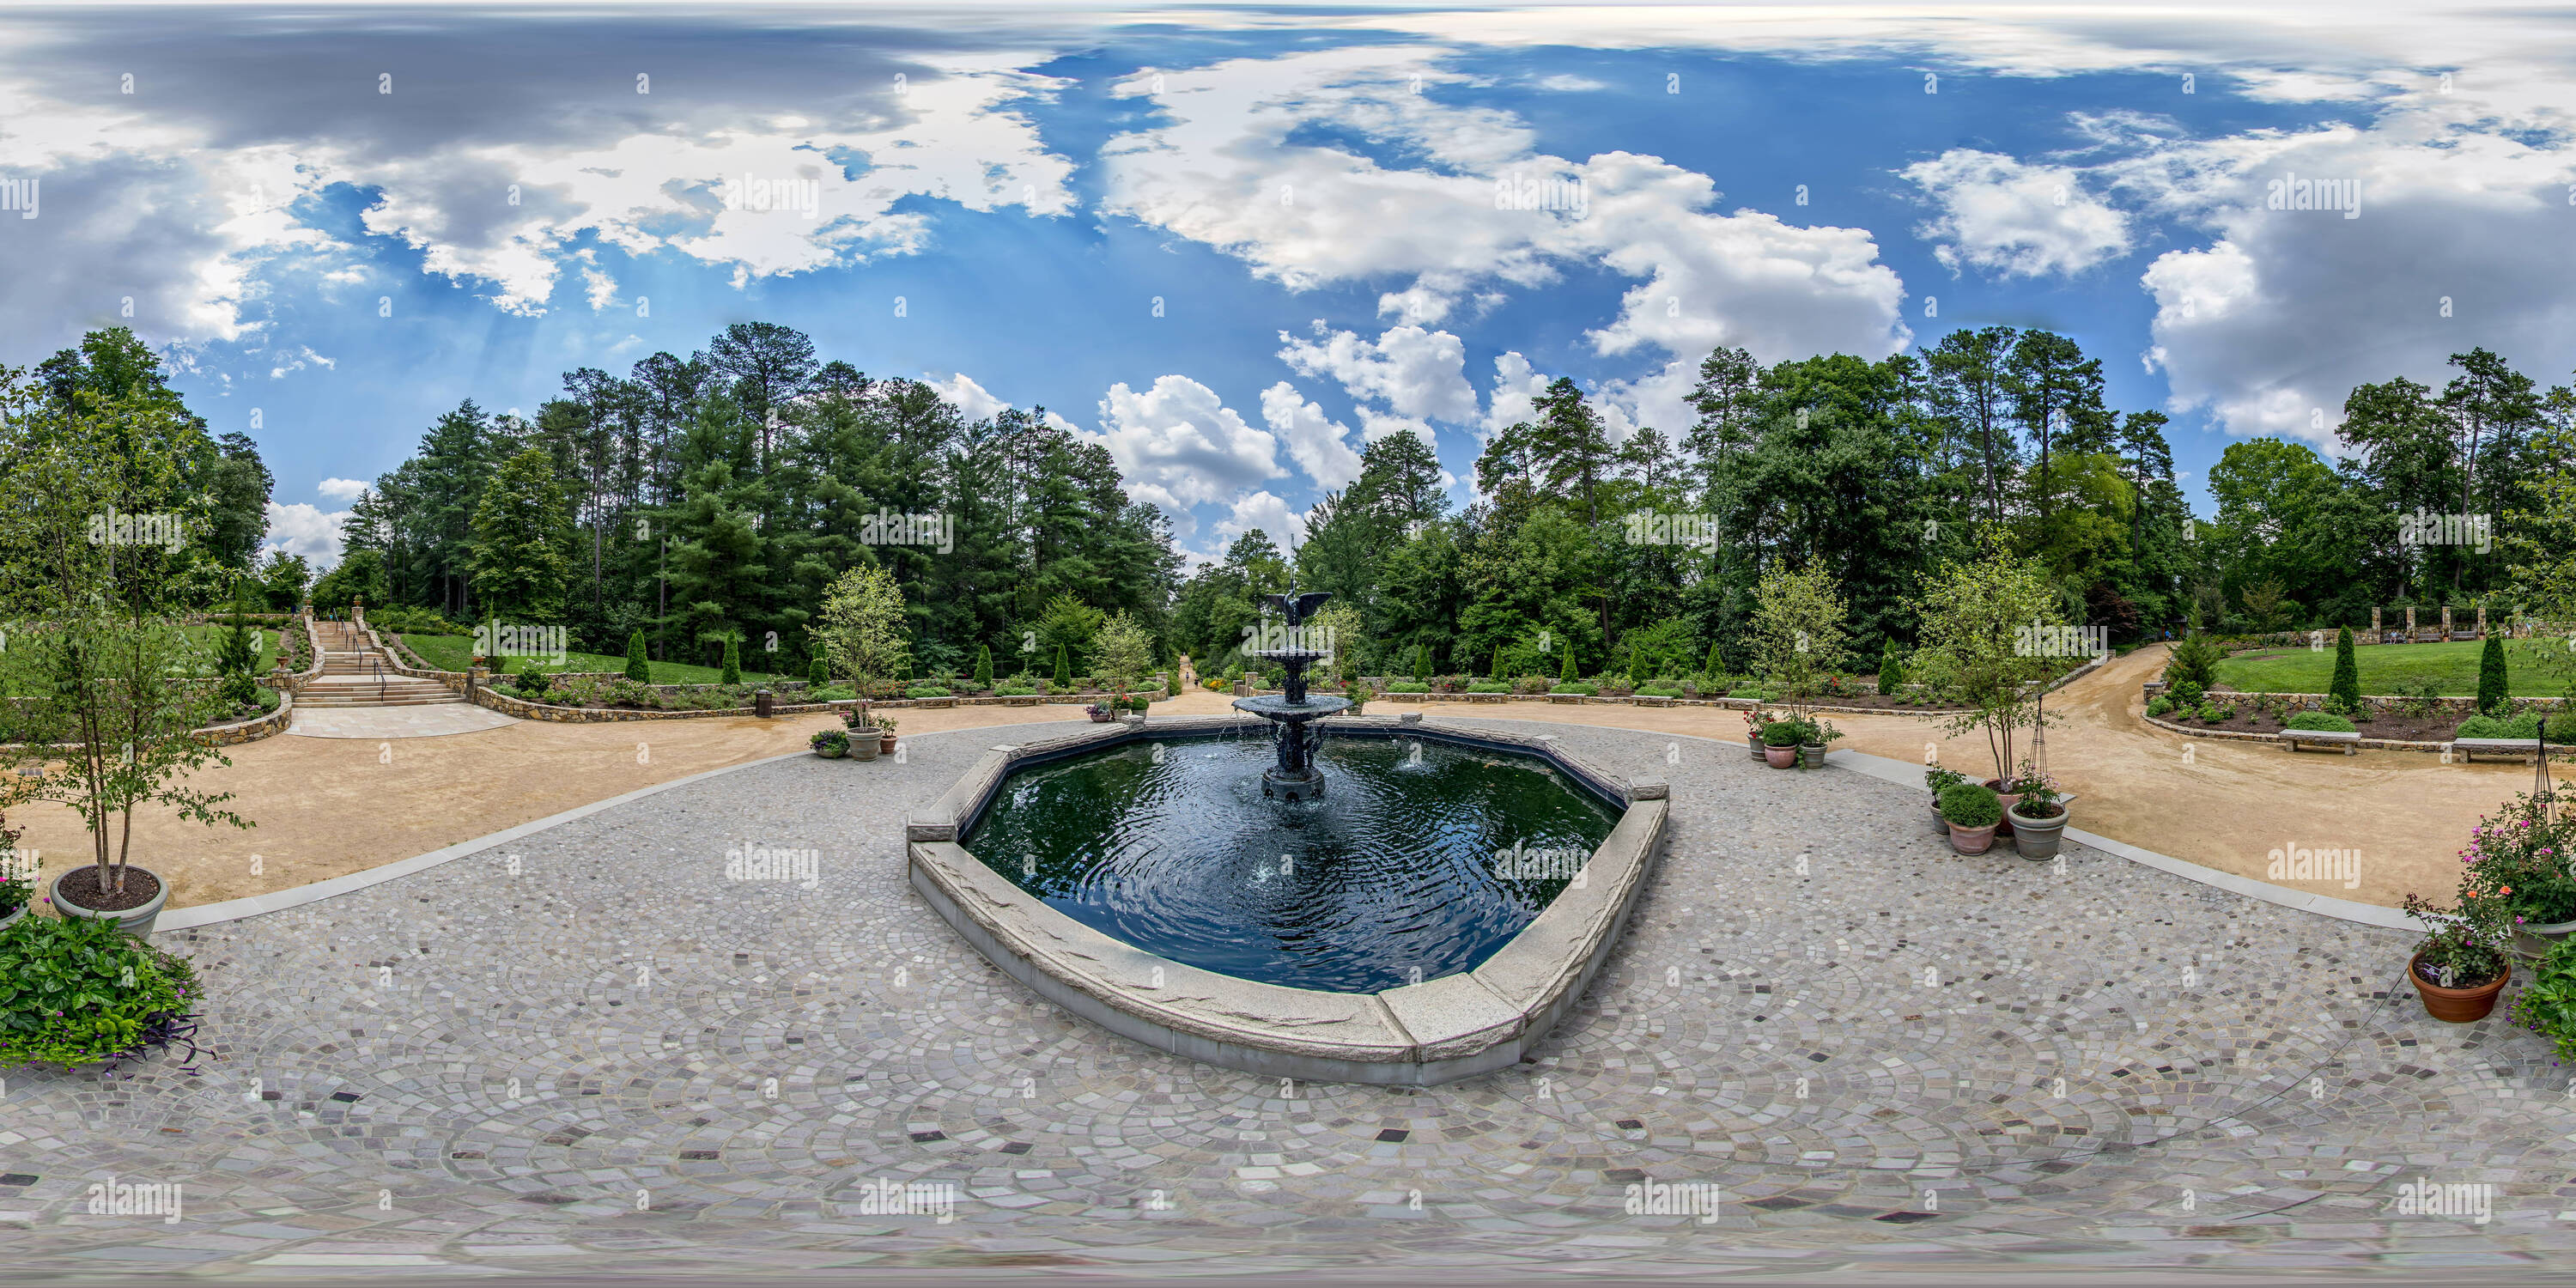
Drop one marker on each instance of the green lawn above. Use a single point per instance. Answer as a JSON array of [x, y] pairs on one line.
[[212, 638], [452, 652], [2385, 669]]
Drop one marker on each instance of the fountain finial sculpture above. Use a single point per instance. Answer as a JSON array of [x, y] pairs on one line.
[[1295, 776]]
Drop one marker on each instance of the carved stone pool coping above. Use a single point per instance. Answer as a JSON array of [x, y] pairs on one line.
[[1422, 1034]]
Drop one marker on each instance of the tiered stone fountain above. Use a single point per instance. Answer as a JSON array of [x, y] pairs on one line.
[[1295, 777]]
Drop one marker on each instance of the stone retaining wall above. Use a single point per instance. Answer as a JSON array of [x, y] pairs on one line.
[[240, 731]]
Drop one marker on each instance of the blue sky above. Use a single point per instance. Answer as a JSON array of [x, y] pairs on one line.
[[347, 261]]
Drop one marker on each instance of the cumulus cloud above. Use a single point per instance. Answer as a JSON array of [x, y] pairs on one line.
[[1417, 374], [2014, 218], [1178, 445], [1316, 442], [972, 400], [300, 529], [1513, 398], [1285, 527], [341, 489]]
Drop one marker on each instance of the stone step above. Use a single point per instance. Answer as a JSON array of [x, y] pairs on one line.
[[335, 704]]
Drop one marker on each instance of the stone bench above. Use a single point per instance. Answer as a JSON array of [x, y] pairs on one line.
[[2468, 748], [2331, 737]]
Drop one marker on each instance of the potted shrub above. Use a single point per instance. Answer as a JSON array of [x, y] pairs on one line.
[[1753, 731], [830, 744], [1812, 737], [1972, 810], [1780, 743], [2522, 853], [864, 739], [2463, 962], [2548, 1005], [1940, 780], [2038, 816], [885, 734], [73, 991]]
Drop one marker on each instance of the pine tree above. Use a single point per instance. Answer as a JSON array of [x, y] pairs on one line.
[[1565, 673], [1498, 662], [984, 667], [1891, 672], [732, 664], [1063, 670], [1421, 663], [2345, 691], [1716, 665], [638, 667], [2492, 686], [1636, 666], [523, 542], [819, 674]]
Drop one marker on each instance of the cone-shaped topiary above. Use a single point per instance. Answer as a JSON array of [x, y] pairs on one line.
[[1565, 674], [732, 664], [984, 667], [1716, 666], [638, 667], [819, 673], [1063, 669], [2492, 686], [1497, 672], [1421, 663], [2345, 690], [1891, 672], [1636, 666]]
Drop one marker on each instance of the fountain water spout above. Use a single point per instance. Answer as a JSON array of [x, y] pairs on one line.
[[1294, 649]]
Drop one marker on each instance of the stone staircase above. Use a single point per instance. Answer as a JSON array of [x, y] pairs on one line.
[[354, 675]]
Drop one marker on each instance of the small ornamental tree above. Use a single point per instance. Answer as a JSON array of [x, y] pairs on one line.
[[1975, 650], [1798, 632], [984, 667], [1565, 672], [1063, 669], [2492, 685], [1715, 665], [1122, 651], [819, 674], [1637, 670], [1891, 672], [1421, 663], [1497, 672], [860, 629], [639, 668], [2345, 689]]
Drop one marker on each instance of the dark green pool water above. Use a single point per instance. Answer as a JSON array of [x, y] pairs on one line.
[[1392, 878]]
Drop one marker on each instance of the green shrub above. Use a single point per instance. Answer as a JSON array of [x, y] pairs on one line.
[[984, 666], [1015, 689], [1408, 686], [1781, 733], [1565, 669], [926, 691], [2492, 685], [818, 673], [1172, 683], [2480, 727], [1063, 669], [2194, 660], [1891, 671], [1583, 687], [639, 668], [732, 672], [2212, 713], [2187, 693], [1658, 691], [2160, 706], [74, 990], [2345, 688], [533, 681], [1971, 805], [2320, 722], [1490, 686], [831, 693], [2548, 1005]]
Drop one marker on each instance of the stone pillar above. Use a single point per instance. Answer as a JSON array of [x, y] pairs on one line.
[[2446, 621], [2374, 626], [2410, 625]]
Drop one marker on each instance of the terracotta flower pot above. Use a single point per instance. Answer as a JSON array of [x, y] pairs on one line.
[[1972, 840], [2458, 1005], [1780, 757], [2003, 828], [885, 745]]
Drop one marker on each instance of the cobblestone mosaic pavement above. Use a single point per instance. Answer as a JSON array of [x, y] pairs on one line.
[[617, 1059]]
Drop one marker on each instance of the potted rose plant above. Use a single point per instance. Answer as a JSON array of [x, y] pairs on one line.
[[2037, 813], [1753, 730], [885, 734], [2464, 960], [1972, 811], [2524, 850], [1940, 780]]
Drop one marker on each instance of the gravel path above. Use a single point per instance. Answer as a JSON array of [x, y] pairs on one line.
[[1876, 1052]]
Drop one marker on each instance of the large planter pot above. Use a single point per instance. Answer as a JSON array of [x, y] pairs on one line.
[[10, 918], [133, 921], [1780, 757], [1971, 840], [2458, 1005], [2003, 828], [2530, 941], [1100, 717], [2037, 838], [832, 753], [1754, 743], [1812, 755], [1940, 825], [863, 744]]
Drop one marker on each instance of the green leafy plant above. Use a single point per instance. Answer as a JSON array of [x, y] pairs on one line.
[[75, 990], [2521, 854], [1781, 733], [2465, 946], [2493, 685], [1489, 686], [2319, 722], [1658, 691], [1939, 779], [2548, 1006], [1408, 686], [1891, 670], [2194, 661], [830, 740], [639, 668], [927, 691], [2186, 693], [2040, 797], [2345, 687], [1971, 805], [731, 672], [1585, 688], [2160, 706]]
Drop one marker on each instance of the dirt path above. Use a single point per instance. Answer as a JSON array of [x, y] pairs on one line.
[[328, 807]]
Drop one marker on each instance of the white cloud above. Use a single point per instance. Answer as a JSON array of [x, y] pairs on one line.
[[341, 489], [2014, 218], [1317, 443], [1418, 374], [1178, 445], [300, 529], [1286, 527], [1514, 395], [296, 359], [972, 401]]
